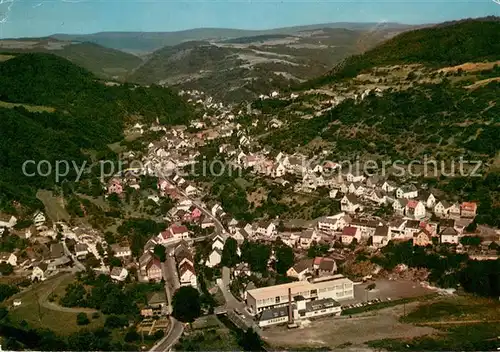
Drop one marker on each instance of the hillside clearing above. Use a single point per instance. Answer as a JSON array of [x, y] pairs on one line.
[[30, 108]]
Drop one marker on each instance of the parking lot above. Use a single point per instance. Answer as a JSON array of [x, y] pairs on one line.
[[386, 290]]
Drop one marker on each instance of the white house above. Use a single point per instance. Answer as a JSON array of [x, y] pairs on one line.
[[415, 209], [267, 228], [214, 258], [81, 250], [349, 233], [8, 221], [9, 258], [218, 243], [119, 274], [39, 219], [350, 204], [428, 199], [381, 236], [399, 206], [449, 235], [389, 186], [121, 252], [441, 208], [407, 191], [187, 275], [39, 271]]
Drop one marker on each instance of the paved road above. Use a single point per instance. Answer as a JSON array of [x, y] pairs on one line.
[[174, 334]]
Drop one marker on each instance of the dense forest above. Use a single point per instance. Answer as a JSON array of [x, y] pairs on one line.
[[63, 113], [446, 45]]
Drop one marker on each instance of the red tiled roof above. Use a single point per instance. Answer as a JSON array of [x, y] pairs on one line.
[[185, 267], [469, 206], [412, 204], [349, 231], [317, 260], [178, 229]]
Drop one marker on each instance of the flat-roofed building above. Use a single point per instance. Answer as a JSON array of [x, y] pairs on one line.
[[336, 287]]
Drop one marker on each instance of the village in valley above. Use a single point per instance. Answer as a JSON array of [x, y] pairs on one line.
[[268, 273]]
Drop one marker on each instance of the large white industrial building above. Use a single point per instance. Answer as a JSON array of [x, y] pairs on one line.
[[336, 287]]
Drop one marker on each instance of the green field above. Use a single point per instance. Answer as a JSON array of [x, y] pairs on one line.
[[39, 313], [465, 323], [31, 108]]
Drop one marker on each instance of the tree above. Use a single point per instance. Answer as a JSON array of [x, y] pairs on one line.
[[6, 269], [471, 227], [371, 287], [250, 341], [229, 253], [115, 321], [186, 304], [160, 252], [284, 258], [82, 319], [493, 246], [6, 291], [471, 241]]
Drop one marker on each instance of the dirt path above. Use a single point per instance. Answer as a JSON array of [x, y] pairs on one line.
[[458, 322]]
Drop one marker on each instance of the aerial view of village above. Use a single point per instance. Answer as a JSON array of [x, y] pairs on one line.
[[317, 187]]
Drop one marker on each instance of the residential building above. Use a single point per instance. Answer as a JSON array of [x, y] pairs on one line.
[[468, 209], [7, 221], [415, 209], [350, 204], [81, 250], [153, 270], [407, 191], [121, 251], [187, 275], [349, 233], [39, 271], [422, 238], [9, 258], [449, 235], [301, 270], [214, 258], [381, 236], [119, 273]]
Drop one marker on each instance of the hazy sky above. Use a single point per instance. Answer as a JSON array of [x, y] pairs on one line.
[[19, 18]]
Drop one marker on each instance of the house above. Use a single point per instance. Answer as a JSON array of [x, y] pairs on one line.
[[389, 186], [240, 235], [350, 204], [153, 270], [399, 206], [39, 219], [350, 233], [242, 269], [207, 222], [190, 190], [415, 209], [397, 229], [9, 258], [56, 250], [333, 193], [187, 275], [411, 227], [214, 258], [441, 208], [428, 199], [366, 227], [218, 243], [216, 209], [115, 186], [407, 191], [266, 228], [377, 197], [354, 175], [307, 237], [119, 273], [301, 270], [7, 221], [454, 210], [121, 251], [81, 250], [422, 238], [468, 209], [449, 235], [39, 271], [174, 233], [381, 236], [326, 267]]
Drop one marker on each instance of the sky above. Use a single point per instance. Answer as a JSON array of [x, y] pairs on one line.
[[36, 18]]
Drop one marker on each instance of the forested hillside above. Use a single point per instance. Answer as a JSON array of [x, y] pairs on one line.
[[445, 45], [70, 113]]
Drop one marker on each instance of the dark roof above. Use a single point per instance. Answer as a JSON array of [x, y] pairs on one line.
[[327, 264], [303, 265], [412, 224], [449, 231], [56, 250], [381, 231], [157, 298], [274, 313], [321, 304]]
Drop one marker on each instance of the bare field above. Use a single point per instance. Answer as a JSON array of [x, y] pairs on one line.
[[334, 332]]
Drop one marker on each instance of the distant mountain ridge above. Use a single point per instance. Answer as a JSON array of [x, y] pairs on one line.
[[146, 42]]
